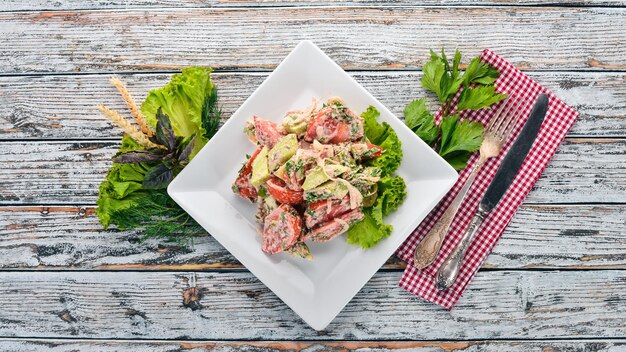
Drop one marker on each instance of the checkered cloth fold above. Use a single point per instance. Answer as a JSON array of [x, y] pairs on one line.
[[557, 123]]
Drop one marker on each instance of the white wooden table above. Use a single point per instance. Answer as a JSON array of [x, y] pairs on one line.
[[556, 281]]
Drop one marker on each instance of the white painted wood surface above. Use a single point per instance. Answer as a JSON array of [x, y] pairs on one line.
[[281, 346], [18, 5], [555, 282], [252, 38], [69, 172], [71, 238], [36, 107], [502, 304]]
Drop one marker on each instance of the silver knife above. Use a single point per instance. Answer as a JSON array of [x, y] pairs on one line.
[[502, 180]]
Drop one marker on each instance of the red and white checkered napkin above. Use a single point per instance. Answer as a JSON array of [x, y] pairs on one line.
[[558, 121]]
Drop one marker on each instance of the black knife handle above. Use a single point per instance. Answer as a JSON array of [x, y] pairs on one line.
[[516, 155]]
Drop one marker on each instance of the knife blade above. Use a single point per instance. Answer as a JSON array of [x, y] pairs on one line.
[[511, 164], [516, 155]]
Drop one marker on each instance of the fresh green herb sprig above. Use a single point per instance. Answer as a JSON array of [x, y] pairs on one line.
[[168, 161], [454, 139]]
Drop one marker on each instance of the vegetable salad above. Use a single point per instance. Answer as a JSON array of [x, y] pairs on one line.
[[324, 171]]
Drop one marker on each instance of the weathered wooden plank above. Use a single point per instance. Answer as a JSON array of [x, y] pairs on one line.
[[502, 304], [39, 172], [42, 5], [70, 345], [17, 5], [64, 106], [70, 238], [143, 40]]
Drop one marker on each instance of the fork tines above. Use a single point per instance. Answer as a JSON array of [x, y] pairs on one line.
[[502, 124]]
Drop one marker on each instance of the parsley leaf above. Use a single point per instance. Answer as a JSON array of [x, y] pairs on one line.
[[421, 121], [458, 160], [439, 78], [453, 140], [479, 72], [433, 73], [459, 137], [476, 98]]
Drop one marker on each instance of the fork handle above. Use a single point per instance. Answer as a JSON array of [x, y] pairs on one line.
[[449, 270], [428, 248]]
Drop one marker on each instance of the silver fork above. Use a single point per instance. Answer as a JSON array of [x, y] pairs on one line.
[[496, 133]]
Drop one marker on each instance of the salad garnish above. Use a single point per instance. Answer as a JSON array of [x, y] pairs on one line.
[[171, 126], [455, 139]]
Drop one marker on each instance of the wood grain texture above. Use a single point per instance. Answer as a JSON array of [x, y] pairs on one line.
[[558, 38], [51, 345], [235, 305], [64, 107], [64, 280], [71, 238], [43, 173], [18, 5]]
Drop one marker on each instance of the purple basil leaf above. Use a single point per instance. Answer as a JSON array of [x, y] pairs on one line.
[[136, 157], [158, 177], [164, 132], [186, 147]]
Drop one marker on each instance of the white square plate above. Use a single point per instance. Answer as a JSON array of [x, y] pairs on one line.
[[316, 290]]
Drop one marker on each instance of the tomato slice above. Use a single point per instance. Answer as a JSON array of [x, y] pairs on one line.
[[247, 168], [282, 194], [282, 228], [342, 133], [379, 149], [325, 210], [266, 132], [242, 184]]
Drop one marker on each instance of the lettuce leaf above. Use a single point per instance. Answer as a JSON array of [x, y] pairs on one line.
[[391, 189], [384, 136], [374, 131], [125, 203], [368, 232], [121, 181], [391, 193], [185, 99], [190, 101]]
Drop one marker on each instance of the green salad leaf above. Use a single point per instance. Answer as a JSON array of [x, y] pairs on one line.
[[391, 193], [368, 232], [384, 136], [391, 189], [374, 131], [189, 99]]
